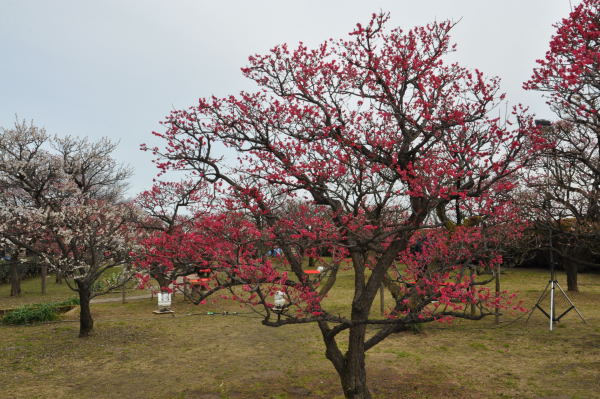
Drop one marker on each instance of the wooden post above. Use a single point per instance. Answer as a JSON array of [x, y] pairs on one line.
[[15, 275], [15, 278], [497, 311], [44, 275], [473, 307], [382, 309]]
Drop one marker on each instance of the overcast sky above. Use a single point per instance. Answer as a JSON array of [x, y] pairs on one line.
[[116, 67]]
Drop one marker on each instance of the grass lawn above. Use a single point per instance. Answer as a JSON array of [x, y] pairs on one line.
[[31, 292], [135, 354]]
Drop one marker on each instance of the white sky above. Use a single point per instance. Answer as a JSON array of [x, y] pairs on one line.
[[116, 67]]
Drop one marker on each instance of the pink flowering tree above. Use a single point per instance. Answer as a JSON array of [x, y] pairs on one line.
[[567, 182], [60, 201], [376, 134], [168, 210]]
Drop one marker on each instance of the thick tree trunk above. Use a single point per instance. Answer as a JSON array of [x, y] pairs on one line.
[[58, 277], [571, 270], [86, 323], [163, 282], [350, 366], [15, 279], [353, 374]]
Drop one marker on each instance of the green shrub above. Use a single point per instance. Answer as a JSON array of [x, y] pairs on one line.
[[37, 312], [31, 313], [68, 302]]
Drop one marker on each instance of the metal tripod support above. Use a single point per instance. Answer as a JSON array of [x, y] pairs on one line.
[[553, 284]]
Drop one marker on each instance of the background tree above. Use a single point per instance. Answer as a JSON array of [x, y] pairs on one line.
[[12, 194], [377, 131], [169, 209], [568, 182], [61, 203]]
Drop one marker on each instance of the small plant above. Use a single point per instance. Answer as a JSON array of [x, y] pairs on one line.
[[31, 313], [478, 346], [38, 312], [67, 302]]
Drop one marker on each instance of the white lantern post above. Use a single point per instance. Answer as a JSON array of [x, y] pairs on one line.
[[164, 303], [279, 301]]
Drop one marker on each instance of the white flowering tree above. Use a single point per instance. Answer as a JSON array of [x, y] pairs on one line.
[[61, 201]]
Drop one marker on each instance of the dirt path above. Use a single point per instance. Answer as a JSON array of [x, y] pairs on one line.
[[119, 299]]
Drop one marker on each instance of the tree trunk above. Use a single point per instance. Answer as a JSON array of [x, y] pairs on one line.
[[350, 366], [86, 323], [58, 277], [353, 374], [163, 282], [473, 271], [330, 281], [15, 279], [392, 286], [571, 270], [44, 275]]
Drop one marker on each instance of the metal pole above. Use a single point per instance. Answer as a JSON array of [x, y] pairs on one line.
[[537, 304], [550, 255], [552, 279], [551, 304], [571, 302]]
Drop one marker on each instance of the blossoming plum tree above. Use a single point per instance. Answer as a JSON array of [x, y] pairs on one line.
[[60, 200], [374, 132]]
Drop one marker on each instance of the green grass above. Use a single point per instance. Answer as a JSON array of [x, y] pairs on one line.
[[31, 292], [135, 354]]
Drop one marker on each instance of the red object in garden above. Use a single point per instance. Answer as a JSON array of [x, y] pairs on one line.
[[197, 281], [203, 282]]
